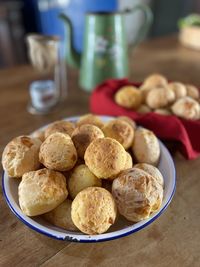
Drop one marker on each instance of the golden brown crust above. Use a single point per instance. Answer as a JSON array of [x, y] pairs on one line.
[[144, 92], [105, 157], [156, 98], [38, 134], [160, 97], [61, 216], [192, 91], [186, 108], [90, 119], [120, 131], [41, 191], [93, 210], [128, 165], [131, 122], [170, 95], [66, 127], [58, 152], [146, 147], [178, 88], [129, 161], [152, 170], [83, 135], [143, 109], [137, 194], [21, 155], [80, 178], [155, 80], [128, 97]]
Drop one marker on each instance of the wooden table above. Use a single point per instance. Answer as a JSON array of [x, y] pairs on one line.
[[172, 240]]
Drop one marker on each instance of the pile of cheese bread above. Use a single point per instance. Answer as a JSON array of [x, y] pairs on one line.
[[80, 175], [159, 96]]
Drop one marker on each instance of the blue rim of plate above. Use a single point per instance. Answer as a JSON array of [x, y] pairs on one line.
[[92, 240]]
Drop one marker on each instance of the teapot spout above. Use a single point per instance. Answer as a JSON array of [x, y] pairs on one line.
[[73, 58]]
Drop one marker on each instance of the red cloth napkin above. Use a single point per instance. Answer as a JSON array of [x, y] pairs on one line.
[[186, 132]]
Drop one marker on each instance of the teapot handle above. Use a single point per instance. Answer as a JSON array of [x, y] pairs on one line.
[[148, 19]]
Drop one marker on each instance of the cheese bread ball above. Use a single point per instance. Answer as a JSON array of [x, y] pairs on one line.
[[120, 131], [90, 119], [156, 98], [80, 178], [129, 161], [128, 165], [152, 170], [163, 111], [66, 127], [192, 91], [128, 120], [146, 148], [170, 95], [38, 134], [83, 135], [58, 152], [155, 80], [129, 97], [41, 191], [160, 97], [105, 157], [93, 210], [21, 155], [137, 194], [178, 88], [61, 216], [143, 109], [186, 108], [144, 92]]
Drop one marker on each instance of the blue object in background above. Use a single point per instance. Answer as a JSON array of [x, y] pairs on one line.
[[48, 12], [45, 14]]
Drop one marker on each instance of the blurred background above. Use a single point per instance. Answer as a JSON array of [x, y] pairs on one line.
[[17, 18]]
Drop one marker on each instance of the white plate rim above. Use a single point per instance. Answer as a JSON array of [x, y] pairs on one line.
[[91, 238]]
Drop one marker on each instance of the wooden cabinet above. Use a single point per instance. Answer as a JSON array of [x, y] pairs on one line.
[[12, 47]]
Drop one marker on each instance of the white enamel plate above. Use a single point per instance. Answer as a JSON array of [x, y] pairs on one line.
[[118, 230]]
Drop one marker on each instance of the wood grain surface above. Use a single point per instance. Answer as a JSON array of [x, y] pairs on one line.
[[172, 240]]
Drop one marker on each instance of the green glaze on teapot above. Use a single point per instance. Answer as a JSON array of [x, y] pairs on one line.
[[105, 47]]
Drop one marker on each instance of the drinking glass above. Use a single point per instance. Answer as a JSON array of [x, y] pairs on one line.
[[47, 58]]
